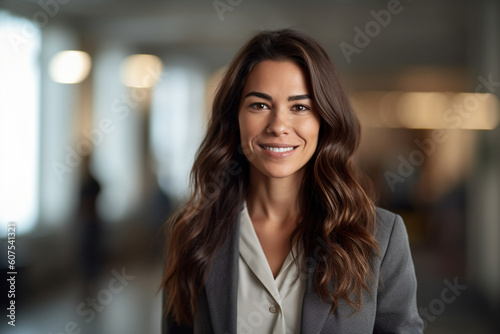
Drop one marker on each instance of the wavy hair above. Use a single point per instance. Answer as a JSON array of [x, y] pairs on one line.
[[336, 209]]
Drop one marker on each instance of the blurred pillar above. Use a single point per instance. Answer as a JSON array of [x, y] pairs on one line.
[[177, 123], [116, 135], [59, 161], [483, 221]]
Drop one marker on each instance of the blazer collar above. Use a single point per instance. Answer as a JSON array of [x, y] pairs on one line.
[[222, 291]]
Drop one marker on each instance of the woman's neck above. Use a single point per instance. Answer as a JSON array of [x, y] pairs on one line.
[[274, 201]]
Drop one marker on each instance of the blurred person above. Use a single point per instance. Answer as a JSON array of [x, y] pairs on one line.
[[90, 231], [279, 235]]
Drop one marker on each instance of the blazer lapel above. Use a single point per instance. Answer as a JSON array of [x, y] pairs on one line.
[[222, 292], [314, 310], [222, 284]]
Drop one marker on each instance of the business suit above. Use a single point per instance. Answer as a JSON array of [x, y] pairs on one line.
[[390, 307]]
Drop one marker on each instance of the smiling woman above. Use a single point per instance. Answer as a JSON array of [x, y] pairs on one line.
[[286, 240], [277, 121]]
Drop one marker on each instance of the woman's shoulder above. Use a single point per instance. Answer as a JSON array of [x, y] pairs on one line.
[[390, 230]]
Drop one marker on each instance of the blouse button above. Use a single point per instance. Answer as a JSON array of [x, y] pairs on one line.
[[273, 309]]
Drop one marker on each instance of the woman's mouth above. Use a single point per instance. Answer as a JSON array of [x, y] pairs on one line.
[[278, 149]]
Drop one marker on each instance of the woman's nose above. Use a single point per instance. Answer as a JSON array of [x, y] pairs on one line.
[[278, 123]]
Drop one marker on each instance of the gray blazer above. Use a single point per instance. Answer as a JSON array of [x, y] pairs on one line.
[[390, 307]]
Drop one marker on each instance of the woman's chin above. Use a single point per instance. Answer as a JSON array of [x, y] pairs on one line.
[[277, 173]]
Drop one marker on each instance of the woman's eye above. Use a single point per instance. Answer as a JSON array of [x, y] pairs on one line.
[[258, 106], [300, 107]]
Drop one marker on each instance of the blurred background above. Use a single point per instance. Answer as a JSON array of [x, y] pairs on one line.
[[103, 104]]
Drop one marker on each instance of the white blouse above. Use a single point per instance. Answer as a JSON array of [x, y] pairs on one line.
[[266, 305]]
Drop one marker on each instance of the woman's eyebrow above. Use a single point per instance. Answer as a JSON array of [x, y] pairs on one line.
[[269, 98], [259, 94], [299, 97]]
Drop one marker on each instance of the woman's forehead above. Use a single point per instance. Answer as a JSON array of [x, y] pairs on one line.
[[276, 78]]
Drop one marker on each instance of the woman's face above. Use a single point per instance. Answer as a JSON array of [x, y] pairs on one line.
[[278, 124]]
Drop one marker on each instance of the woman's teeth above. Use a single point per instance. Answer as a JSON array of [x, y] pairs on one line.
[[278, 149]]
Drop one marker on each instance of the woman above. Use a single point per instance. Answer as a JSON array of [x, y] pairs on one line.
[[278, 235]]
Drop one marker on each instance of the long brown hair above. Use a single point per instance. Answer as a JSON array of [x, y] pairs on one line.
[[335, 208]]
